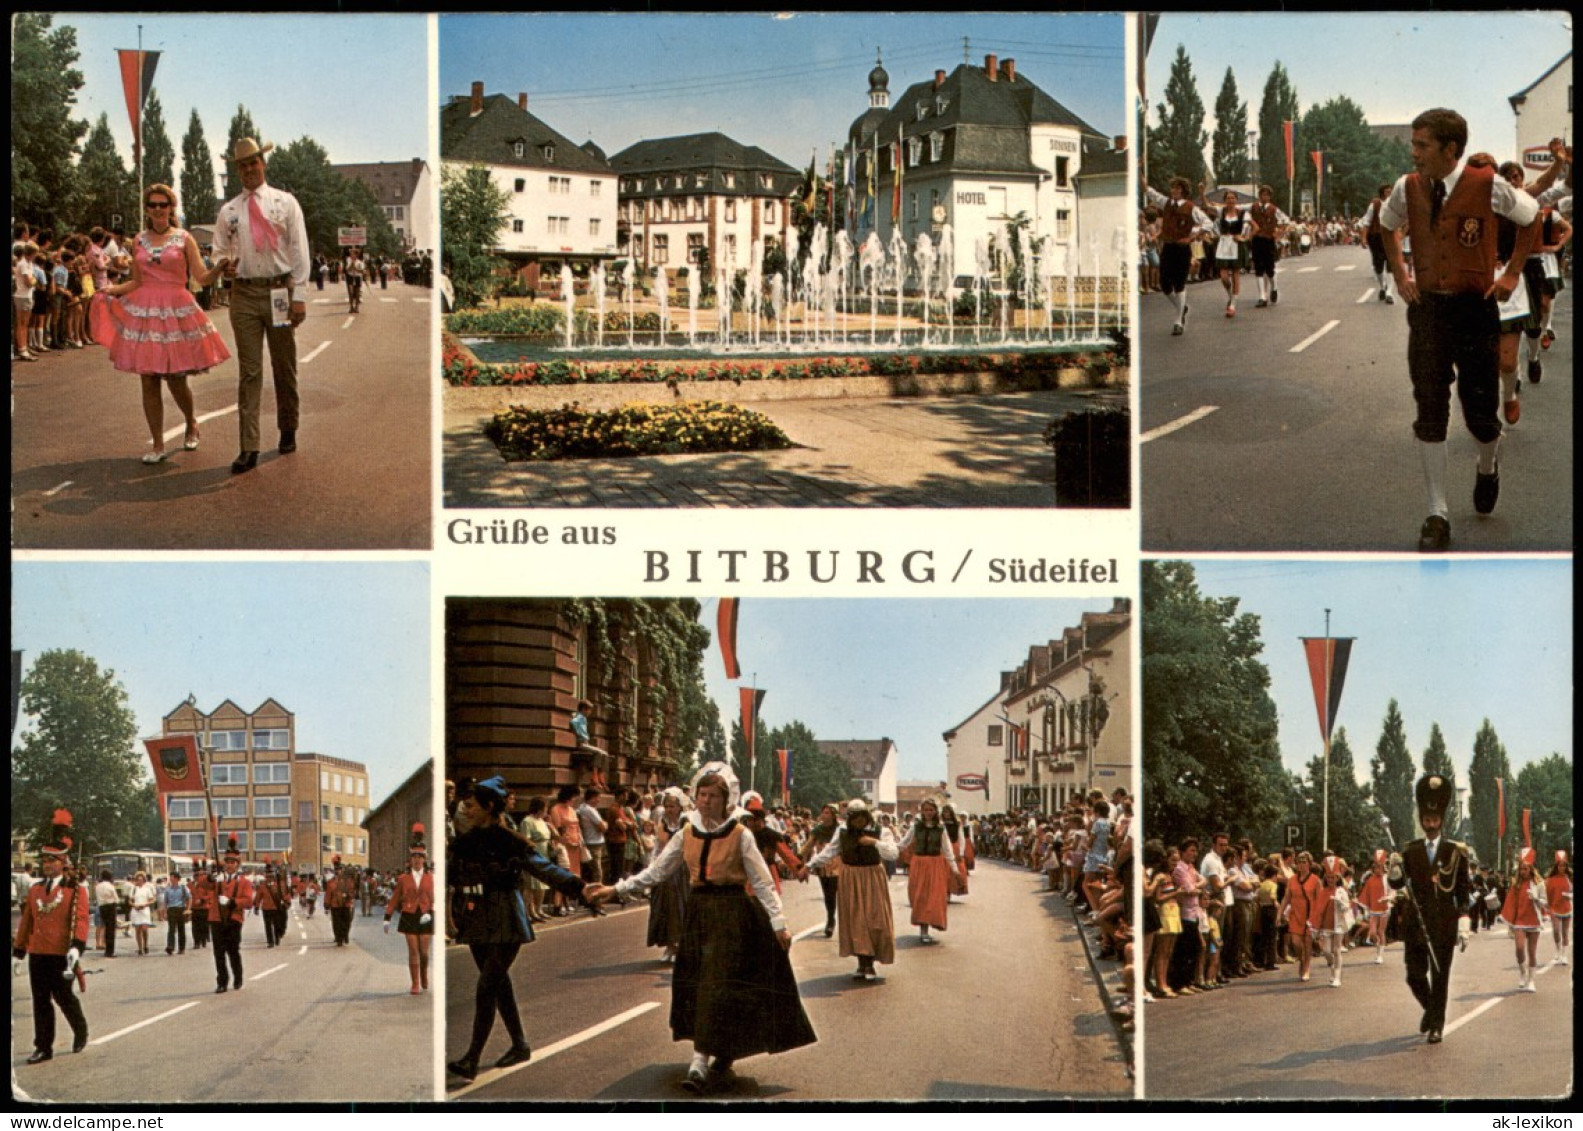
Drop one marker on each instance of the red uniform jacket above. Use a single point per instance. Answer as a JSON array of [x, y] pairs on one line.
[[341, 891], [412, 897], [1520, 909], [1558, 890], [52, 923], [1457, 254], [271, 895], [240, 891], [202, 894]]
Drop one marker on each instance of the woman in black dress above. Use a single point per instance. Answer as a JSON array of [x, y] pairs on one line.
[[486, 865], [733, 993]]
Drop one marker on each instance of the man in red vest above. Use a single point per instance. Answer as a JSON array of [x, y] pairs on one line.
[[340, 892], [233, 896], [51, 937], [1453, 299]]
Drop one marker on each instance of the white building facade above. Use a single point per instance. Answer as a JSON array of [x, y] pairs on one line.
[[1544, 110]]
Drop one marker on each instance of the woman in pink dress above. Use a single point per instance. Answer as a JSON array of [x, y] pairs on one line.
[[158, 331]]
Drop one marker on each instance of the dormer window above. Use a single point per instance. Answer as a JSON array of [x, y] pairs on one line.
[[549, 154], [519, 149], [765, 182], [914, 151], [698, 180], [678, 180], [940, 103], [936, 146], [923, 109], [731, 180]]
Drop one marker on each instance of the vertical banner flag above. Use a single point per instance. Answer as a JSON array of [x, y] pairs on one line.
[[175, 761], [1318, 157], [851, 184], [870, 201], [1528, 832], [1288, 131], [1327, 668], [895, 196], [726, 631], [783, 757], [1500, 810], [752, 698], [137, 79]]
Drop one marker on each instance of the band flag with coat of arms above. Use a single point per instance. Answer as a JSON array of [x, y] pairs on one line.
[[175, 761]]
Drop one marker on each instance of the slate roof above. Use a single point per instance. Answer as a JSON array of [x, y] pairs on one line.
[[985, 123], [865, 757], [490, 138], [382, 176], [712, 154], [1099, 160]]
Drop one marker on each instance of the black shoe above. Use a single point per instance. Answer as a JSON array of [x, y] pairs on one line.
[[1275, 296], [245, 461], [1535, 371], [1383, 295], [220, 989], [829, 930], [40, 1056], [1176, 330], [721, 1077], [695, 1082], [1390, 299], [1184, 316], [288, 441], [1435, 535], [1261, 304], [516, 1054], [466, 1068], [1434, 1037], [80, 1041], [1486, 489]]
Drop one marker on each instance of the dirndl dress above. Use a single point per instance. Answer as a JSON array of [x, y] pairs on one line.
[[158, 328], [668, 908]]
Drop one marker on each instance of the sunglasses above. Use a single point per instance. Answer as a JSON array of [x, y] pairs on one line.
[[157, 204]]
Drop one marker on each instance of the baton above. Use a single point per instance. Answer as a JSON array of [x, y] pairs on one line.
[[1423, 924]]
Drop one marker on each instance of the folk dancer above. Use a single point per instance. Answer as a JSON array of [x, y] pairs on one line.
[[868, 930], [1433, 870], [1269, 228], [1180, 221], [931, 865], [50, 939]]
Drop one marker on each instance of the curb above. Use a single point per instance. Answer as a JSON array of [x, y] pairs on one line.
[[1106, 972]]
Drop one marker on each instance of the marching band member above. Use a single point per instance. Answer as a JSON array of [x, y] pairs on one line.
[[414, 898], [50, 939]]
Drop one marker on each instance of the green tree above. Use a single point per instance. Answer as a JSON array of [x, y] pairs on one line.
[[1437, 760], [159, 156], [199, 205], [1355, 829], [1211, 758], [760, 773], [329, 200], [44, 134], [1230, 143], [473, 213], [78, 753], [1279, 105], [241, 126], [1489, 763], [817, 777], [1544, 788], [1176, 145], [1357, 160], [106, 192], [1392, 775]]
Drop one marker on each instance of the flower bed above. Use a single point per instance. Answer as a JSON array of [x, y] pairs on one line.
[[573, 432], [545, 320], [1028, 369]]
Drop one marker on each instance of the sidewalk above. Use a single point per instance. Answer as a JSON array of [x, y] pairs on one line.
[[1107, 976], [961, 451]]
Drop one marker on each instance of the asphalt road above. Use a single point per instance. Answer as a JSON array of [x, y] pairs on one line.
[[1004, 1008], [1273, 1037], [1290, 428], [315, 1023], [360, 478]]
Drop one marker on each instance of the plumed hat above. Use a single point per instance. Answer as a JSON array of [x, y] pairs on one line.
[[231, 848], [417, 847], [59, 843], [1434, 795]]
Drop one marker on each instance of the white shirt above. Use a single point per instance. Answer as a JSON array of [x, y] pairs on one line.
[[233, 237], [670, 859], [1514, 204], [1201, 219], [1213, 869]]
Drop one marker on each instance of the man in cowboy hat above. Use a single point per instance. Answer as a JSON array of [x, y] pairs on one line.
[[51, 938], [264, 240], [233, 895], [1434, 870]]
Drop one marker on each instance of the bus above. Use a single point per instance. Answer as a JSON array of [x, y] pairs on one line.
[[124, 863]]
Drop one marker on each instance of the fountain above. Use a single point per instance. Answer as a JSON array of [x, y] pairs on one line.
[[568, 296], [662, 288], [871, 262], [626, 286], [923, 255], [898, 258], [692, 303]]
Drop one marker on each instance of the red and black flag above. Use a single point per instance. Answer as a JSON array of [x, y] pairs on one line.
[[1327, 668], [137, 79], [726, 630], [784, 758], [175, 761]]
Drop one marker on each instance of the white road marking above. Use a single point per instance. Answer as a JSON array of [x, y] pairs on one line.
[[318, 301], [316, 351], [203, 418], [303, 949], [1180, 422], [1315, 336], [817, 929], [1347, 267], [267, 973], [58, 488], [350, 318], [541, 1055], [1368, 294], [387, 300], [422, 300], [141, 1024], [1306, 270], [1489, 1005]]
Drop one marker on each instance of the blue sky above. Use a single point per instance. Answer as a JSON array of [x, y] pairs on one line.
[[788, 83], [1454, 642], [343, 646], [1394, 65], [355, 84], [904, 669]]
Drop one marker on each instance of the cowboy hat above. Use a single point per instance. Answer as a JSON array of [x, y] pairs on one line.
[[248, 147]]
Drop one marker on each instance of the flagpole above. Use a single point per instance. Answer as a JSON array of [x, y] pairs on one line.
[[753, 733], [1324, 835], [137, 136]]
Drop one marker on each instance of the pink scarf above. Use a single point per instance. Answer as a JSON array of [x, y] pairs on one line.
[[264, 234]]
